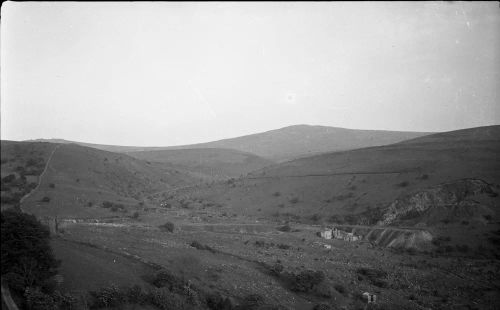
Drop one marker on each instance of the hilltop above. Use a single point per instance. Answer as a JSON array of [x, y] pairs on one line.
[[305, 140]]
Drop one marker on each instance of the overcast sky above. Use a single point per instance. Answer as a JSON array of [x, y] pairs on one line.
[[179, 73]]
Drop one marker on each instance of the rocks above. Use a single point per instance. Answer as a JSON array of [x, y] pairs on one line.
[[448, 194]]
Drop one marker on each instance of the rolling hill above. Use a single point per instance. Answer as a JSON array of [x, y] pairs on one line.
[[78, 180], [282, 144], [359, 185], [215, 163], [304, 140]]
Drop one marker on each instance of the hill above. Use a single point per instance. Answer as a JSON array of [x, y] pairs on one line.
[[215, 163], [285, 143], [84, 182], [104, 147], [304, 140], [358, 186]]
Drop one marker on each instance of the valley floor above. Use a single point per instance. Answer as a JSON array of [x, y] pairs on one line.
[[232, 259]]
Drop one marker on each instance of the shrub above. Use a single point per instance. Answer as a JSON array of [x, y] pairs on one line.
[[375, 276], [215, 301], [277, 194], [283, 246], [27, 259], [276, 269], [52, 185], [135, 215], [285, 228], [164, 278], [45, 199], [323, 306], [136, 295], [9, 178], [315, 217], [166, 300], [37, 300], [403, 184], [294, 200], [252, 301], [107, 204], [106, 297], [168, 227], [307, 280], [340, 288], [199, 246]]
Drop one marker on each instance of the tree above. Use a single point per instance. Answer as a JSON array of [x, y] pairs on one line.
[[27, 259]]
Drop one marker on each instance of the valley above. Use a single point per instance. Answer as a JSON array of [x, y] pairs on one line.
[[424, 214]]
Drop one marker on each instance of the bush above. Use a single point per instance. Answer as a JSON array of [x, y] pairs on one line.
[[340, 288], [199, 246], [167, 300], [52, 185], [164, 278], [315, 217], [135, 215], [45, 199], [294, 200], [37, 300], [252, 301], [307, 280], [136, 295], [106, 297], [375, 276], [323, 306], [277, 194], [285, 228], [276, 269], [403, 184], [215, 301], [168, 227], [9, 178], [27, 259], [283, 246]]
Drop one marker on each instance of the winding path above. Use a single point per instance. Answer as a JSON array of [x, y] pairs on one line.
[[40, 177]]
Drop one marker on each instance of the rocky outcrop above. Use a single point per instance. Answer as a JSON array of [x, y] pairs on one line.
[[449, 195]]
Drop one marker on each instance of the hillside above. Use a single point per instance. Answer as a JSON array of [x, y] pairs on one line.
[[283, 144], [104, 147], [79, 180], [304, 140], [215, 163], [21, 165], [358, 185]]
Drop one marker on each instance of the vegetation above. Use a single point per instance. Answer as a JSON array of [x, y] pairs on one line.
[[285, 228], [28, 263], [199, 246], [403, 184], [376, 277], [168, 227]]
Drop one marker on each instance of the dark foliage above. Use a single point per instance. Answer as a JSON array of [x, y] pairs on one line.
[[168, 227], [27, 259]]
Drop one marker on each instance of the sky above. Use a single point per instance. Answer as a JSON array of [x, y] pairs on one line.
[[171, 73]]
